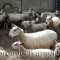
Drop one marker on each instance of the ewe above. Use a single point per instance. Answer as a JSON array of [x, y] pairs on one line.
[[41, 39]]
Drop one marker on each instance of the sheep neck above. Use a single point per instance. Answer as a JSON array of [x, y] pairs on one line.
[[21, 36], [22, 49]]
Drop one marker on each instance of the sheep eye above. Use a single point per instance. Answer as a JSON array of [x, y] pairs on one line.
[[15, 30], [16, 44]]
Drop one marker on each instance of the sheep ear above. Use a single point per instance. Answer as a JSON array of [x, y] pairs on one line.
[[55, 41], [13, 25], [22, 44]]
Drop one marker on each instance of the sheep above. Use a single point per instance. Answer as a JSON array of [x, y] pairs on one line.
[[48, 13], [38, 27], [25, 24], [32, 14], [43, 17], [41, 39], [37, 54], [4, 55], [57, 13], [45, 14], [38, 20], [55, 21], [17, 17]]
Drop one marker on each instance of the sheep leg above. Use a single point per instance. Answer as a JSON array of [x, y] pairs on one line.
[[53, 46], [5, 25]]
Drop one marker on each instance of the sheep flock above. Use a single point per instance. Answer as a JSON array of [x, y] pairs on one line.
[[36, 33]]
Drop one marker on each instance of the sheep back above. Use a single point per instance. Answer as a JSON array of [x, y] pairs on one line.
[[17, 17], [42, 39]]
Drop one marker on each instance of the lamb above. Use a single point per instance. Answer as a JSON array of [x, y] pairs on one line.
[[41, 39], [4, 55], [37, 54]]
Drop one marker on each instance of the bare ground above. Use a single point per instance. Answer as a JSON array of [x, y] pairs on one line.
[[5, 43]]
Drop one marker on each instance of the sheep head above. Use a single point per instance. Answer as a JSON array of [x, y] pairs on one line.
[[43, 15], [18, 46], [15, 31], [57, 49]]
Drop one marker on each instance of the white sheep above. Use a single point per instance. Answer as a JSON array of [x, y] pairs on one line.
[[41, 39], [32, 14], [45, 14], [55, 21], [25, 24], [17, 17], [4, 55], [38, 27], [37, 54], [48, 18]]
